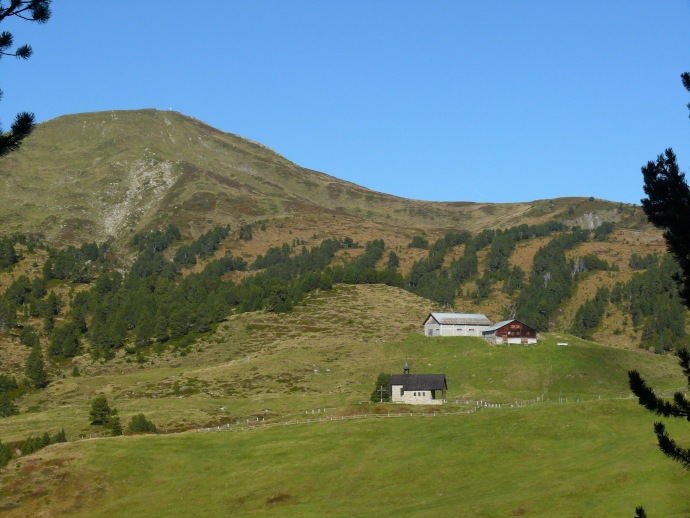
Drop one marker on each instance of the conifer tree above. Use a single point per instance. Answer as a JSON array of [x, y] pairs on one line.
[[7, 406], [35, 370], [139, 424], [100, 411], [115, 426], [145, 328], [29, 336], [382, 389], [59, 436], [31, 10], [8, 315], [393, 261], [5, 454], [667, 206]]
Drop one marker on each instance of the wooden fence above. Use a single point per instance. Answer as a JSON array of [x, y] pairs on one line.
[[478, 404]]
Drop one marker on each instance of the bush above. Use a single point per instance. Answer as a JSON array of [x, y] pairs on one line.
[[139, 424], [419, 242]]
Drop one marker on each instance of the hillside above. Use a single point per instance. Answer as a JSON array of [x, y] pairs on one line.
[[205, 281], [326, 355], [104, 176]]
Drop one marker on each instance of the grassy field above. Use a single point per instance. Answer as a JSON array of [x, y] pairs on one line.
[[277, 369], [586, 450], [589, 459]]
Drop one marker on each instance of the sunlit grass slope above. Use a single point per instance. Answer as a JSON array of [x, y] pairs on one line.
[[593, 455], [327, 353], [595, 459]]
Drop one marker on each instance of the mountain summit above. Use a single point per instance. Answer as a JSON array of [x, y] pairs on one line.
[[106, 175]]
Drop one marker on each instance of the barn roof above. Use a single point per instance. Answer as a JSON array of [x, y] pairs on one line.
[[463, 319], [420, 381]]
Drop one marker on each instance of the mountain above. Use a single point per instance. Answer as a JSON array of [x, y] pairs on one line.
[[108, 176], [104, 176], [255, 310]]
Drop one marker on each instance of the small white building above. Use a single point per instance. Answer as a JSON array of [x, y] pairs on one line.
[[456, 324], [418, 389]]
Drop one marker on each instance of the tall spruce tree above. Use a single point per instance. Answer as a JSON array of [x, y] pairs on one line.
[[31, 10], [667, 206], [35, 370], [100, 412]]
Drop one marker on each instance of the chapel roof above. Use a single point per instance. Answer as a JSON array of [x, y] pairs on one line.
[[420, 381]]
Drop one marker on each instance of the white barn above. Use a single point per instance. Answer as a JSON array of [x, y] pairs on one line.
[[456, 324]]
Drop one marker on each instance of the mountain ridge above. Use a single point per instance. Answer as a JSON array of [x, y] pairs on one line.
[[107, 175]]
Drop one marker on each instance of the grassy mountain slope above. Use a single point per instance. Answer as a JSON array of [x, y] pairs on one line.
[[325, 354], [588, 459], [106, 176], [99, 176], [531, 459]]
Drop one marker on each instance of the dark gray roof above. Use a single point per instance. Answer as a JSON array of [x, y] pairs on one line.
[[497, 326], [420, 381]]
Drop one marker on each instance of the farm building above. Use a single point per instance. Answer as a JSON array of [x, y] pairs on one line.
[[456, 324], [511, 332], [418, 389]]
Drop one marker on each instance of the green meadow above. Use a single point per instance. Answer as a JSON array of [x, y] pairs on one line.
[[584, 449], [587, 450], [573, 460]]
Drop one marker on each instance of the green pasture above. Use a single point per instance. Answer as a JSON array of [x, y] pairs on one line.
[[285, 379], [592, 459], [587, 450], [505, 374]]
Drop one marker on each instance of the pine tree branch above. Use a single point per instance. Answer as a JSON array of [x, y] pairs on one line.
[[670, 448], [12, 9], [40, 10], [684, 357], [651, 402], [23, 52], [21, 128]]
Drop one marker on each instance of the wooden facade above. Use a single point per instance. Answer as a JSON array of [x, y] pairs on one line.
[[511, 332]]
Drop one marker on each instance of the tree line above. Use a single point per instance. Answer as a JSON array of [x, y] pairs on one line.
[[158, 303]]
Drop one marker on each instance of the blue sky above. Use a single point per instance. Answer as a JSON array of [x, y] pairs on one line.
[[491, 101]]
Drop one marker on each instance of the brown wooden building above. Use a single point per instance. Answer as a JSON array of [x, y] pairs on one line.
[[511, 332]]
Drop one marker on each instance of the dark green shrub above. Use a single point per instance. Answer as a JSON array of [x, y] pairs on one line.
[[139, 424]]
